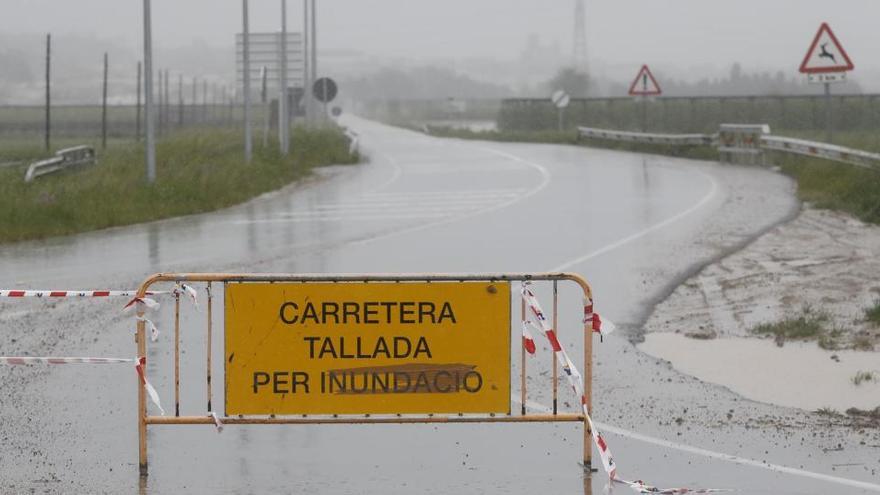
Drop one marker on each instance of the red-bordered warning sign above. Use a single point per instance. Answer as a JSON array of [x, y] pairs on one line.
[[644, 84], [826, 54]]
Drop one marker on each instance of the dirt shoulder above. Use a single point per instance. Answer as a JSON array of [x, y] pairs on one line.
[[807, 284]]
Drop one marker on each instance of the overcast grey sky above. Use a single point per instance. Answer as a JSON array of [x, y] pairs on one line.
[[684, 37]]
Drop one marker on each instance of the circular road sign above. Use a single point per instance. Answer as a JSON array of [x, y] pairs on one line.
[[560, 98], [325, 90], [336, 111]]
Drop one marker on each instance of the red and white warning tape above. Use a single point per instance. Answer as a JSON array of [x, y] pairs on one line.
[[576, 381], [75, 293], [641, 487], [139, 363], [571, 372]]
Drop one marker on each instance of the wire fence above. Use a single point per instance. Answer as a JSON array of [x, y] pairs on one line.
[[663, 114], [697, 114], [85, 121]]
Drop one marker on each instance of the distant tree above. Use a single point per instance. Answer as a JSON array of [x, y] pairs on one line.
[[571, 81]]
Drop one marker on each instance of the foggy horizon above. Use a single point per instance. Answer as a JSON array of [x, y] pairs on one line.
[[687, 39]]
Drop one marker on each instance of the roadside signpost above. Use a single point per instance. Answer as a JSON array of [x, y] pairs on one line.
[[325, 91], [645, 86], [560, 100], [826, 62]]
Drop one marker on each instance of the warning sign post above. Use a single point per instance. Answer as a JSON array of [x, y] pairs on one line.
[[645, 86], [375, 348], [826, 62]]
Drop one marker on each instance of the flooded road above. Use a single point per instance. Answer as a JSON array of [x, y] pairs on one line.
[[634, 225]]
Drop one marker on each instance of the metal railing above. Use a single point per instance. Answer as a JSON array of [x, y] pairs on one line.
[[827, 151], [353, 141], [647, 137], [63, 159], [743, 143]]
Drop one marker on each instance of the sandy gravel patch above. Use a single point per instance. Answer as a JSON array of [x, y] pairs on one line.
[[822, 263]]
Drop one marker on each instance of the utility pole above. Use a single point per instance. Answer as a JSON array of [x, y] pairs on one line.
[[137, 119], [246, 78], [579, 50], [104, 107], [150, 150], [313, 46], [283, 111], [264, 77], [48, 129], [307, 101]]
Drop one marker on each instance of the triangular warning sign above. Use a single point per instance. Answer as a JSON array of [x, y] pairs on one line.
[[826, 54], [644, 84]]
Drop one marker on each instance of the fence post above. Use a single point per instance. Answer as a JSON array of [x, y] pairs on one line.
[[104, 107], [180, 100], [167, 102], [160, 107], [829, 125], [137, 118], [193, 104], [48, 130]]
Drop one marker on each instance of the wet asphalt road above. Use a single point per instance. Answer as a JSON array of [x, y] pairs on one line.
[[633, 225]]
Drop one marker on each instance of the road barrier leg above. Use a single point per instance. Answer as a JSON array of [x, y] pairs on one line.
[[556, 329], [522, 361], [588, 393], [142, 405]]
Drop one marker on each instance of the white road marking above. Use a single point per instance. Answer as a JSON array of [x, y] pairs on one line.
[[537, 406], [545, 181], [713, 190]]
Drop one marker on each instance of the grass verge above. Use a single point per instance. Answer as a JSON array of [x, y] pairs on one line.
[[862, 377], [808, 325], [197, 171], [872, 314]]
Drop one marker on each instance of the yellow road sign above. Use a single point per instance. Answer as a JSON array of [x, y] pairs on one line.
[[367, 348]]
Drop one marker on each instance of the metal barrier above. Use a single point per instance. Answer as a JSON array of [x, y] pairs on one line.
[[353, 141], [64, 158], [741, 143], [647, 137], [452, 286], [822, 150]]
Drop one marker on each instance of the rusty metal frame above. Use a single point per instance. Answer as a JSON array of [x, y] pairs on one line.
[[140, 338]]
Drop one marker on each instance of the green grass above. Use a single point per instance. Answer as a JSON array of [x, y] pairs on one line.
[[863, 376], [872, 314], [835, 186], [806, 326], [197, 171]]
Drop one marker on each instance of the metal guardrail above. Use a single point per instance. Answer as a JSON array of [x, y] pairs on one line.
[[647, 137], [64, 158], [353, 141], [827, 151], [743, 143]]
